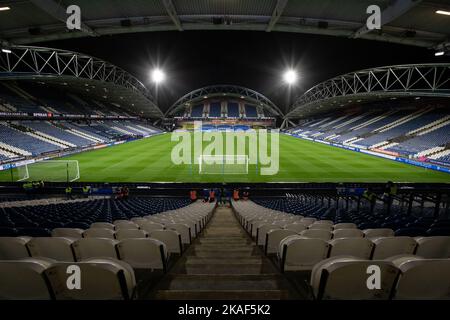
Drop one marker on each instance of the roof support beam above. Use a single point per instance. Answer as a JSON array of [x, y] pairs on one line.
[[392, 12], [170, 8], [276, 14], [59, 12]]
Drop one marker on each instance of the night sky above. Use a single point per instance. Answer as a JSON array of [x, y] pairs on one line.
[[193, 59]]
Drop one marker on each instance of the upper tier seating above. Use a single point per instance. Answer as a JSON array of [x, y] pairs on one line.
[[214, 110], [50, 129], [233, 110], [250, 111]]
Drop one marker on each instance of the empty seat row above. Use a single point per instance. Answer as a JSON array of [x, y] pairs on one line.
[[45, 279], [298, 253], [145, 253], [402, 277]]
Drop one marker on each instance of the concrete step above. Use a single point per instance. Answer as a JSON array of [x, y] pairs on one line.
[[190, 260], [227, 268], [223, 295]]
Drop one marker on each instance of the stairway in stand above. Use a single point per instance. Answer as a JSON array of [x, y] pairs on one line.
[[224, 263]]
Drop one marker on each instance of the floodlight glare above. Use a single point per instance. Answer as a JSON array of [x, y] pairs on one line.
[[439, 53], [5, 8], [290, 77], [158, 76], [447, 13], [6, 51]]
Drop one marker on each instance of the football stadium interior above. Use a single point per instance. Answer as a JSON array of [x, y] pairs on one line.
[[335, 189]]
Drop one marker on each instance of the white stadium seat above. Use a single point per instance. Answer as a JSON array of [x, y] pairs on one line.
[[67, 232], [386, 247], [171, 238], [143, 253], [87, 248], [380, 232], [130, 233], [347, 233], [149, 226], [317, 233], [183, 230], [126, 225], [57, 248], [324, 222], [296, 227], [274, 237], [13, 248], [345, 278], [298, 253], [99, 233], [344, 226], [102, 225], [262, 231], [321, 226], [356, 247], [422, 279], [308, 221], [437, 247], [102, 279], [24, 279]]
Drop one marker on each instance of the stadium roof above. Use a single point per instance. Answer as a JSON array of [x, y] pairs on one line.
[[224, 91], [80, 72], [414, 80], [411, 22]]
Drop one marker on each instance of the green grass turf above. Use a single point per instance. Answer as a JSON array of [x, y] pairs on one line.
[[148, 160]]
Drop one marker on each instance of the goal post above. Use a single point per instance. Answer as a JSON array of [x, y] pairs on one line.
[[48, 170], [223, 164]]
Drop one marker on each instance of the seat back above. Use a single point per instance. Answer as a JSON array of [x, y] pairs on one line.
[[143, 253], [379, 232], [59, 249], [183, 230], [296, 227], [130, 233], [102, 225], [344, 226], [321, 226], [423, 279], [274, 237], [86, 248], [101, 279], [299, 253], [307, 221], [126, 225], [347, 233], [149, 227], [346, 277], [356, 247], [171, 238], [437, 247], [13, 248], [99, 233], [386, 247], [67, 232], [262, 231], [317, 233], [24, 280]]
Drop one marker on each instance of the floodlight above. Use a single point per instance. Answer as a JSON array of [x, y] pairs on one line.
[[4, 8], [158, 76], [439, 53], [447, 13], [290, 77]]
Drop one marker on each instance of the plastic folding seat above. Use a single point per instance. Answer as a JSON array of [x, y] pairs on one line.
[[386, 247], [338, 226], [14, 248], [324, 222], [86, 248], [356, 247], [24, 279], [296, 227], [171, 238], [274, 237], [348, 233], [422, 279], [59, 249], [345, 277], [298, 253], [317, 233], [149, 227], [308, 221], [102, 279], [262, 231], [98, 233], [183, 230], [68, 232], [378, 232], [115, 222], [126, 225], [130, 233], [321, 226], [437, 247], [102, 225], [143, 253]]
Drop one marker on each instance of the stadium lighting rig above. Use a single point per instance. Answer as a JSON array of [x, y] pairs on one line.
[[158, 76], [5, 8], [290, 77], [443, 12]]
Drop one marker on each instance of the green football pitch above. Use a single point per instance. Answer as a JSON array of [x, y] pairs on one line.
[[149, 160]]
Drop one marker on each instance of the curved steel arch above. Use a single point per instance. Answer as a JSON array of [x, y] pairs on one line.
[[390, 81], [24, 62], [220, 91]]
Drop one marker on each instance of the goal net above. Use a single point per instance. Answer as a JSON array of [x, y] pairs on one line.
[[223, 164], [48, 170]]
